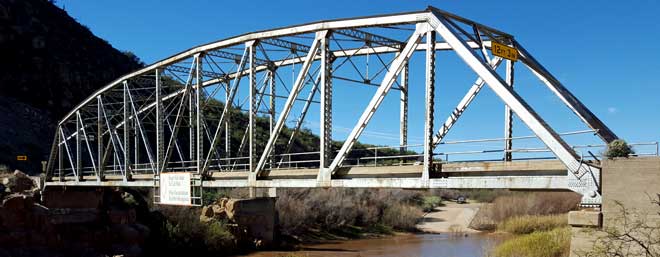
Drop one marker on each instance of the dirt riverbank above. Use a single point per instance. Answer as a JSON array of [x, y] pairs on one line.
[[450, 218]]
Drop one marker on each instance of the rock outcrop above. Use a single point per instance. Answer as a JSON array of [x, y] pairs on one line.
[[66, 223], [255, 217]]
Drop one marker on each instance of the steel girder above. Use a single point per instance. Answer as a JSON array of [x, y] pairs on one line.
[[128, 116]]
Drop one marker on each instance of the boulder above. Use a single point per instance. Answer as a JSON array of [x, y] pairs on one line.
[[19, 182], [17, 202]]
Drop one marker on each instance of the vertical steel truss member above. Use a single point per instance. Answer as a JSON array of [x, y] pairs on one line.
[[160, 139], [403, 112], [78, 148], [508, 115], [324, 176], [583, 178], [396, 67], [252, 115], [99, 140], [430, 93], [463, 105], [228, 105], [271, 105], [566, 96], [198, 114], [128, 170], [293, 95]]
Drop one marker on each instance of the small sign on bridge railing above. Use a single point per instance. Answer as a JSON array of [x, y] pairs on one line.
[[175, 188]]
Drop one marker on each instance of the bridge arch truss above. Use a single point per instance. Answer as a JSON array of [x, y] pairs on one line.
[[170, 116]]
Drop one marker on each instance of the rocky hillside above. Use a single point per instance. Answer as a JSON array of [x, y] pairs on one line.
[[49, 63]]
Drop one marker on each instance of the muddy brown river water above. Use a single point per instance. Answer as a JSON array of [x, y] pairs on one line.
[[414, 245]]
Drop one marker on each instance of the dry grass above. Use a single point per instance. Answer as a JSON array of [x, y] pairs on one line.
[[329, 209], [553, 243], [528, 224], [522, 204]]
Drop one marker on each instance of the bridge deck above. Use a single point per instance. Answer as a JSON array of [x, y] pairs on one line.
[[545, 174]]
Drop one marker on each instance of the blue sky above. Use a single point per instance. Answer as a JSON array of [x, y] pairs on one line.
[[605, 52]]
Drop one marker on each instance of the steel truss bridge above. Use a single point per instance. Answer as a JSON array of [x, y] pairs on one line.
[[165, 117]]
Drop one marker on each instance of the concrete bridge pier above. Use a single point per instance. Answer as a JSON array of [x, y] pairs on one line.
[[630, 183]]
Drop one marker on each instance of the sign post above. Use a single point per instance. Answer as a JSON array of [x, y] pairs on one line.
[[175, 188]]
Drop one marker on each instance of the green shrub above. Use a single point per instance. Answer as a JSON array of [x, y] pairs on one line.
[[217, 237], [529, 224], [618, 148], [429, 202], [554, 243]]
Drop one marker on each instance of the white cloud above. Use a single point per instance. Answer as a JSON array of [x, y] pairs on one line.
[[612, 110]]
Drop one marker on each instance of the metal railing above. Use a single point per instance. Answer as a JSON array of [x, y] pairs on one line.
[[386, 158]]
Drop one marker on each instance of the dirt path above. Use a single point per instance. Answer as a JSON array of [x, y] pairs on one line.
[[452, 217]]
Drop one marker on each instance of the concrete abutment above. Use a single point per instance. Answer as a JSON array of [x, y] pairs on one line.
[[629, 183]]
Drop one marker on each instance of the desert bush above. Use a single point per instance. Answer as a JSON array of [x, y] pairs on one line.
[[448, 194], [485, 195], [618, 148], [182, 232], [521, 204], [528, 224], [333, 208], [553, 243], [401, 216]]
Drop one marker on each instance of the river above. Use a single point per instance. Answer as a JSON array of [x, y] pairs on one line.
[[409, 245]]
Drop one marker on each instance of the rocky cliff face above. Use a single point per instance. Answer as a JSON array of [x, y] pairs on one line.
[[48, 64]]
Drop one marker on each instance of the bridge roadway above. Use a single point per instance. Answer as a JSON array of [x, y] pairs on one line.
[[527, 174]]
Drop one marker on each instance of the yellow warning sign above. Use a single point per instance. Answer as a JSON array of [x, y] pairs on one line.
[[504, 51], [21, 158]]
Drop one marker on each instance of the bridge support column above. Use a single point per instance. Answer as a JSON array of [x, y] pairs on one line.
[[430, 94], [325, 175], [508, 115]]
